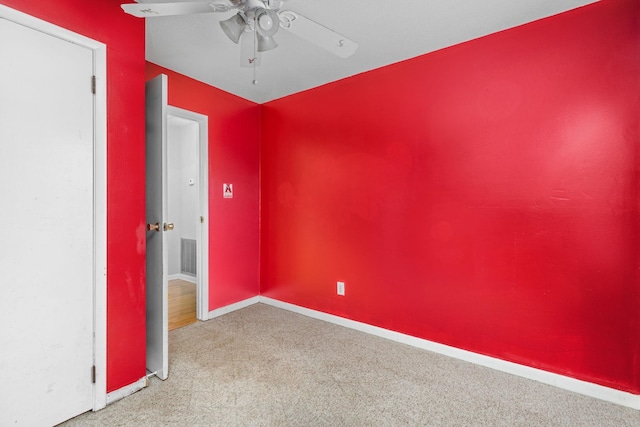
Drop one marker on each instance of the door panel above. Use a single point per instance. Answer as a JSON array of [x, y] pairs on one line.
[[157, 258], [46, 223]]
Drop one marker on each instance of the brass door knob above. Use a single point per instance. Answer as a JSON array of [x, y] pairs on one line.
[[153, 227], [168, 227]]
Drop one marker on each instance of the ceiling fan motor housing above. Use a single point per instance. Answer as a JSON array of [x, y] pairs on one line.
[[253, 5]]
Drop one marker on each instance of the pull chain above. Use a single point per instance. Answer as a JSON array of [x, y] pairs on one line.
[[255, 56]]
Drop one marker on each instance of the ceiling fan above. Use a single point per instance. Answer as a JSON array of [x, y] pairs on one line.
[[254, 26]]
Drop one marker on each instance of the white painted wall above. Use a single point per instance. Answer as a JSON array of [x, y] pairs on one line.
[[182, 154]]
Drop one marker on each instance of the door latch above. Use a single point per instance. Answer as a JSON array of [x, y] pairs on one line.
[[153, 227]]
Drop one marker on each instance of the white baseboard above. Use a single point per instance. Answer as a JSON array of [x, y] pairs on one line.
[[126, 390], [233, 307], [185, 277], [567, 383]]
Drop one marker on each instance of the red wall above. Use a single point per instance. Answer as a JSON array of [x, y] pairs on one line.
[[104, 20], [233, 158], [483, 196]]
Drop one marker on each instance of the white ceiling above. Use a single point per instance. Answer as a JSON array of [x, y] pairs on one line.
[[387, 32]]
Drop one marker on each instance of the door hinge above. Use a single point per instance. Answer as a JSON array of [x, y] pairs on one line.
[[93, 85], [93, 374], [201, 220]]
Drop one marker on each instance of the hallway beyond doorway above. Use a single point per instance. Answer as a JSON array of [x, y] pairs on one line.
[[182, 303]]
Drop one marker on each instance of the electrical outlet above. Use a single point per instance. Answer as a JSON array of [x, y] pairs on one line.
[[341, 288]]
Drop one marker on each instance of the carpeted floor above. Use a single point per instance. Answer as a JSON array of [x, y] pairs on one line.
[[262, 366]]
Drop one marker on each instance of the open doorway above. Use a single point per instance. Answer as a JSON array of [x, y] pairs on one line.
[[187, 208]]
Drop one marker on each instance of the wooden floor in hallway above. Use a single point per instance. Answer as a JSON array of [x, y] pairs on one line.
[[182, 303]]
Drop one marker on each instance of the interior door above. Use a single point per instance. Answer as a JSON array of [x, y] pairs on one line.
[[46, 227], [157, 248]]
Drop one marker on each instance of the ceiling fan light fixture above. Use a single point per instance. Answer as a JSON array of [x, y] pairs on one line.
[[234, 27], [267, 22], [265, 43]]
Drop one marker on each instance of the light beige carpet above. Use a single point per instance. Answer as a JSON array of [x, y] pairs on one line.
[[262, 366]]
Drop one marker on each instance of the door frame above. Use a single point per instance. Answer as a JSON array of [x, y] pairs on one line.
[[202, 245], [99, 187]]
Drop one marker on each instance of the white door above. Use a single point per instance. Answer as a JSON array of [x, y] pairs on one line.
[[157, 226], [46, 227]]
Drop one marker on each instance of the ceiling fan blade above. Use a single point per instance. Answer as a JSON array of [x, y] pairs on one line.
[[150, 10], [249, 56], [317, 34]]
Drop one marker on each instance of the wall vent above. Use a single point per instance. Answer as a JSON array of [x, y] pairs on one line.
[[188, 257]]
